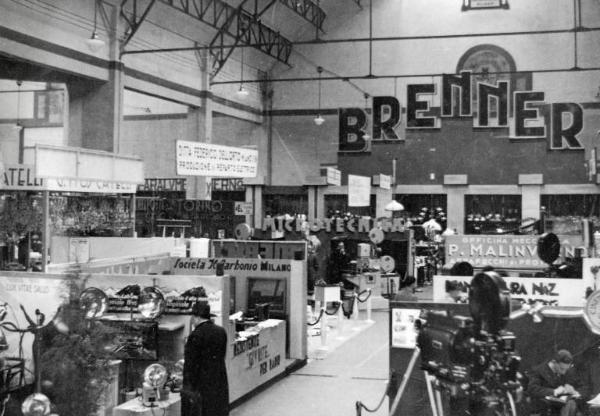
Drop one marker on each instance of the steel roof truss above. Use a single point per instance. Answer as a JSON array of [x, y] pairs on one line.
[[134, 23], [308, 10], [227, 20]]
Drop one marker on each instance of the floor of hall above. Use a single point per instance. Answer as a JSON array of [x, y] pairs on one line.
[[354, 368]]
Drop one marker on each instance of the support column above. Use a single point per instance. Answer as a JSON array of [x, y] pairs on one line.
[[531, 189], [382, 198], [456, 187], [456, 208], [254, 196], [199, 129], [95, 112]]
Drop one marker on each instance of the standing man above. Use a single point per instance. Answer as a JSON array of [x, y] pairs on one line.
[[205, 388], [338, 263]]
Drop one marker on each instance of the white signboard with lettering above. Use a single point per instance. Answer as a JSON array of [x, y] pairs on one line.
[[550, 291], [359, 191], [334, 176], [385, 181], [205, 159], [20, 178], [242, 208], [91, 186], [503, 251]]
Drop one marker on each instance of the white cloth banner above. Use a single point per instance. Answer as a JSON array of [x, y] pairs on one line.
[[205, 159], [359, 191]]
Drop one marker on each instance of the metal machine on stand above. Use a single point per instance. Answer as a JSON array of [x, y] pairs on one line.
[[470, 363]]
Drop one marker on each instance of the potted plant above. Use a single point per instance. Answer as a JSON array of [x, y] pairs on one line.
[[75, 366]]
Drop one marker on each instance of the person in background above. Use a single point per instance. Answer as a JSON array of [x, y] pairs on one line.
[[205, 386], [338, 263], [556, 384], [407, 290], [312, 268], [453, 292]]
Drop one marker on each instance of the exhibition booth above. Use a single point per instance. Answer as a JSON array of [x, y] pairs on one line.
[[260, 303], [542, 296]]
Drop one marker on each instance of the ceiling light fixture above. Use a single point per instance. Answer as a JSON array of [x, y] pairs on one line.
[[94, 43], [366, 136], [242, 92], [318, 119], [18, 125]]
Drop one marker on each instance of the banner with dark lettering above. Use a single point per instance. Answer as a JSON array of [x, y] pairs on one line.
[[555, 292], [503, 251], [180, 292], [205, 217]]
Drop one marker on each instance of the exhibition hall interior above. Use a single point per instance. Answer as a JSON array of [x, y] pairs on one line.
[[386, 207]]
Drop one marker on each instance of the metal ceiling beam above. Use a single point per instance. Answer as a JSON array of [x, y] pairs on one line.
[[358, 3], [133, 23], [308, 10], [237, 23]]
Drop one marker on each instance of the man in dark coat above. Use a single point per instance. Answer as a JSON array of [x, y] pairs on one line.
[[339, 262], [556, 384], [205, 389]]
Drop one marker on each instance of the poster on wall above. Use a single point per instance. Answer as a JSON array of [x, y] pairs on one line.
[[503, 251], [404, 333], [205, 159], [359, 191], [549, 291]]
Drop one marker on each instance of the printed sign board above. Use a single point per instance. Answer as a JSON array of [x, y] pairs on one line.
[[404, 334], [550, 291], [243, 208], [503, 251], [205, 159], [359, 191]]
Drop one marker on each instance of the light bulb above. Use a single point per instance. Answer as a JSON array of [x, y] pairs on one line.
[[94, 43], [319, 120], [243, 92]]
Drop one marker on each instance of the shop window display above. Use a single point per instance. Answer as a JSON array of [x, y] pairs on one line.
[[564, 213], [420, 208], [492, 214], [21, 218], [281, 201], [337, 206], [91, 215]]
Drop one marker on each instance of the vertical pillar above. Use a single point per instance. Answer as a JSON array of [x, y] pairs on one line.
[[382, 198], [199, 129], [531, 189], [456, 208], [320, 211], [254, 196], [95, 112], [45, 228]]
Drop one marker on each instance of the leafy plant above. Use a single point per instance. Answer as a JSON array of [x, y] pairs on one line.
[[75, 369]]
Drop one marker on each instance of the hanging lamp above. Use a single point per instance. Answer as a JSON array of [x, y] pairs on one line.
[[242, 92], [94, 43], [366, 136], [318, 119]]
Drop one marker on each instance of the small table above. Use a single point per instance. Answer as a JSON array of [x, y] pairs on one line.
[[134, 407]]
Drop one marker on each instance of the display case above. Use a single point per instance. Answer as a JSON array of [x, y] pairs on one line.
[[267, 291]]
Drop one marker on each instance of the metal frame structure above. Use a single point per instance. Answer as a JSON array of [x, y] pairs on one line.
[[237, 23], [244, 27]]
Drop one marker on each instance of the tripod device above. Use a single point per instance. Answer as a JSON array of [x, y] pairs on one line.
[[470, 363]]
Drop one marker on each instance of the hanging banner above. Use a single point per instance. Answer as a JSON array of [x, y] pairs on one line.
[[503, 251], [205, 159], [359, 191], [549, 291]]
